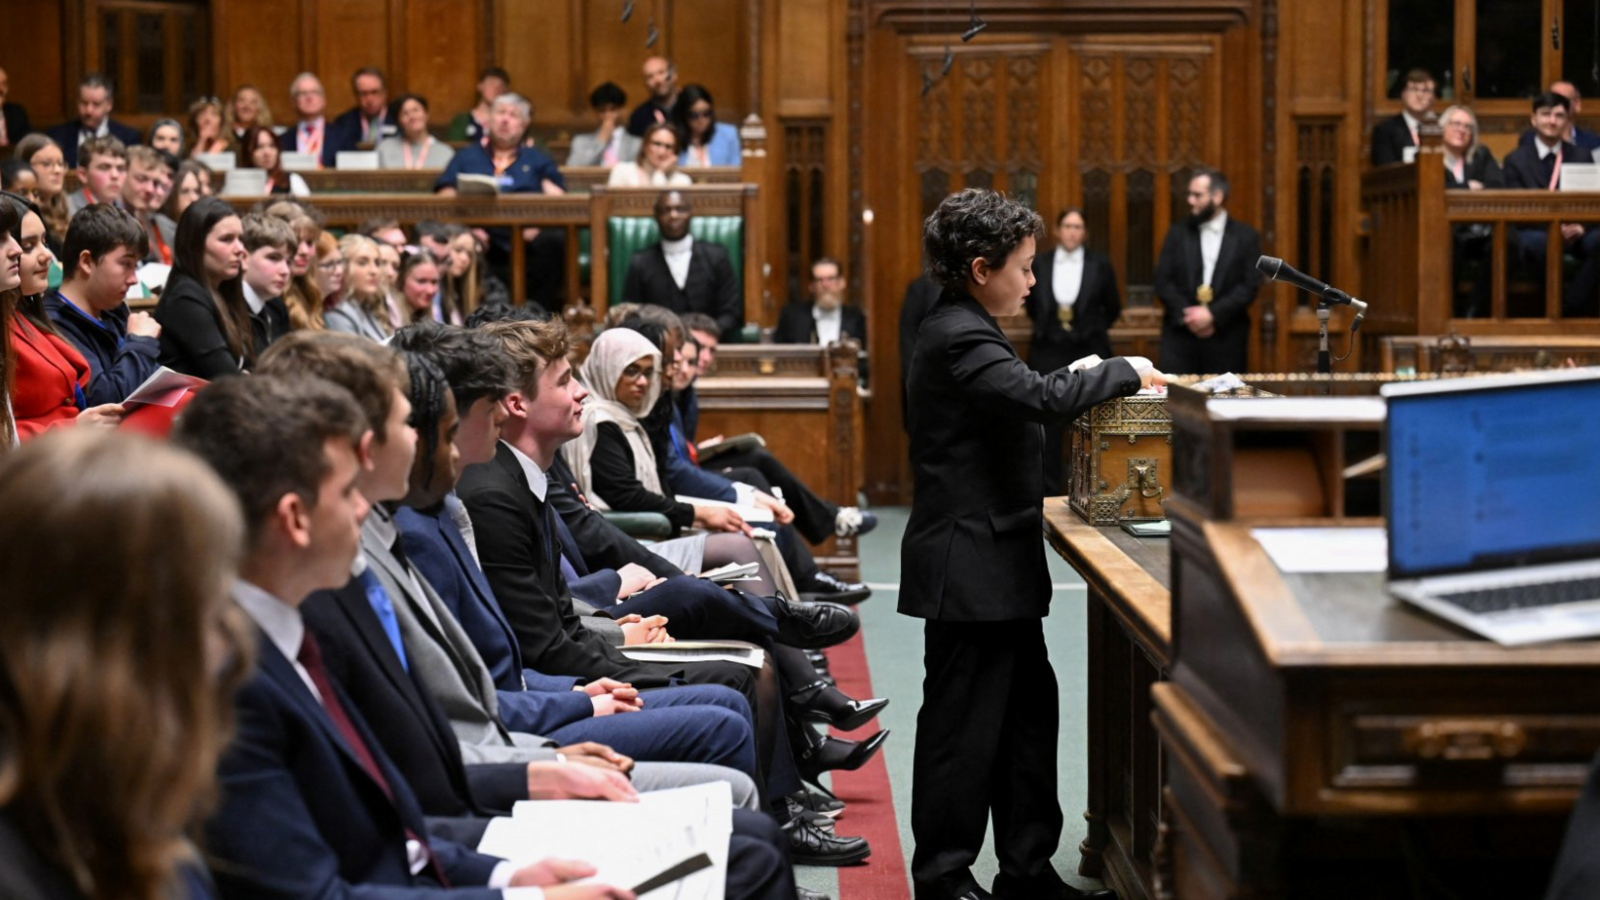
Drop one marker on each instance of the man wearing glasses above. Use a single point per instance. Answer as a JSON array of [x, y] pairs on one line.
[[824, 319], [310, 131], [1392, 136]]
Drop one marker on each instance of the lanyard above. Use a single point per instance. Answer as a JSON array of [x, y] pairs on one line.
[[1555, 174], [500, 169], [161, 245], [405, 147]]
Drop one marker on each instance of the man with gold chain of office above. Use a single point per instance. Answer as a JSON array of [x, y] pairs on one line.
[[1206, 279]]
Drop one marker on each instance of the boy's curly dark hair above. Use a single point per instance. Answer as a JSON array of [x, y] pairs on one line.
[[975, 223]]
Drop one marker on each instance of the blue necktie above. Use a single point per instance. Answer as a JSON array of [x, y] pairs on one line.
[[384, 607]]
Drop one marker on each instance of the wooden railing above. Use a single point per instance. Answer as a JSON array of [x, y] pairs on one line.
[[580, 179], [569, 212], [1410, 259]]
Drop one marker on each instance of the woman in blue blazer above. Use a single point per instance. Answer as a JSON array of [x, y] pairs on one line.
[[707, 141]]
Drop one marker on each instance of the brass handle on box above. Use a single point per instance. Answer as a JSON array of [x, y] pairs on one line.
[[1149, 484], [1468, 740]]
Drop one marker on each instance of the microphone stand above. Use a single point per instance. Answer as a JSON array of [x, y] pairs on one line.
[[1324, 356]]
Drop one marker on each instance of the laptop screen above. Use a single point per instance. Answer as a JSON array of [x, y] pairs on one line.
[[1492, 475]]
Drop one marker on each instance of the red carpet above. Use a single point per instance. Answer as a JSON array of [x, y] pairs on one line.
[[866, 790]]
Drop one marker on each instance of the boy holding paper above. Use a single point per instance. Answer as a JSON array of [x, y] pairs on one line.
[[99, 262]]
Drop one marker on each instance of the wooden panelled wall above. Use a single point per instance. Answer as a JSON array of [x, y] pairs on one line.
[[1106, 106]]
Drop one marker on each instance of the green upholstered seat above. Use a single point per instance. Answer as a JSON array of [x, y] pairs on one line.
[[627, 235], [641, 525]]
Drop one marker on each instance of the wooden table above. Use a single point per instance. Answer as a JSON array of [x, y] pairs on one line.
[[1129, 650]]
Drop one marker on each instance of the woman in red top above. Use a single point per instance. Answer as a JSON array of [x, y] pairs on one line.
[[47, 374]]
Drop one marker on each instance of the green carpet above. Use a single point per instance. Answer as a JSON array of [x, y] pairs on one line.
[[894, 653]]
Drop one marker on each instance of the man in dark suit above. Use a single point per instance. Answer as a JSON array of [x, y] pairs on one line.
[[95, 99], [1393, 135], [661, 80], [1575, 134], [1538, 168], [1206, 279], [362, 126], [312, 132], [1073, 304], [825, 318], [311, 804], [972, 563], [14, 124], [683, 274]]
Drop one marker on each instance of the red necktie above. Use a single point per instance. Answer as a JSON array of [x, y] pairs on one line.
[[311, 657]]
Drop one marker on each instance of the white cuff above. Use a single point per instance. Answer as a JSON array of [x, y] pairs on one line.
[[1140, 365], [744, 494], [501, 878]]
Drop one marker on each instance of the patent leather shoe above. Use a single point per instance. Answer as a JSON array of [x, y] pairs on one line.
[[812, 626], [818, 702], [830, 754]]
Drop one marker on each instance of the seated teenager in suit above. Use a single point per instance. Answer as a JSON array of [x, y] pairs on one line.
[[311, 804], [824, 319], [396, 600], [1072, 305], [48, 375], [1576, 134], [1392, 136], [1206, 279], [1538, 167], [102, 168], [205, 322], [683, 274], [269, 243], [14, 125], [102, 251], [101, 785], [144, 191], [94, 120], [518, 167], [610, 143], [814, 517], [511, 501]]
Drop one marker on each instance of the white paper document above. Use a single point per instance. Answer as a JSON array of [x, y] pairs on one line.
[[164, 387], [746, 512], [698, 651], [627, 843], [1305, 550]]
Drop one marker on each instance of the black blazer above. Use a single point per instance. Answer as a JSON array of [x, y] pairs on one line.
[[972, 549], [1390, 138], [602, 544], [921, 294], [1524, 168], [1480, 167], [17, 125], [508, 523], [710, 287], [289, 141], [299, 815], [192, 339], [1234, 282], [797, 326], [1097, 308], [66, 134], [403, 716]]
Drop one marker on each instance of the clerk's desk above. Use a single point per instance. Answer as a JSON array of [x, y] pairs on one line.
[[1263, 735]]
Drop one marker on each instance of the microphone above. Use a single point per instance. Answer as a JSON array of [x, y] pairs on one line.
[[1278, 270]]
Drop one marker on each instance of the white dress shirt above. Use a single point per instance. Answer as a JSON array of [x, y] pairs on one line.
[[677, 254], [1066, 276], [1211, 244], [537, 482], [829, 322], [255, 301]]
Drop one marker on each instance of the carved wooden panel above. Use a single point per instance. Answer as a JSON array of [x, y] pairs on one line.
[[1145, 116], [805, 200]]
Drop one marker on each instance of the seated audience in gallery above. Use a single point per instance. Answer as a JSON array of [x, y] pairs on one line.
[[656, 162], [247, 110], [413, 147], [44, 156], [95, 99], [205, 322], [14, 124], [473, 124], [259, 150], [206, 135], [167, 136], [102, 167], [309, 133], [707, 142], [610, 144]]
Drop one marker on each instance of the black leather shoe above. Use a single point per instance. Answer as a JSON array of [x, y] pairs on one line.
[[811, 846], [812, 626], [829, 754], [817, 702], [827, 588], [819, 801]]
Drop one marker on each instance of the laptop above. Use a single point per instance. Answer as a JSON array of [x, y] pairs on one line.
[[1489, 499]]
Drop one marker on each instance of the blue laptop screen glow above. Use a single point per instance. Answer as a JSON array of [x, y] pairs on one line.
[[1493, 478]]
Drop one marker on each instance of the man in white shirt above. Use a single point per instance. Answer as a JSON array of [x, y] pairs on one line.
[[309, 133], [825, 318], [1206, 279], [1537, 166], [683, 274]]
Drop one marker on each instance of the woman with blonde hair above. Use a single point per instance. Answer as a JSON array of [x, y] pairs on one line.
[[361, 307], [247, 110], [657, 164], [304, 295], [119, 654]]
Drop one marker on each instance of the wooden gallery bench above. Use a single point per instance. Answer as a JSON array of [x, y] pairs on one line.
[[803, 400]]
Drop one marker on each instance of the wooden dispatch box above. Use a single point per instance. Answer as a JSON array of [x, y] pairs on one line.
[[1121, 458]]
